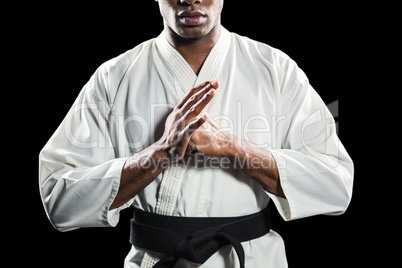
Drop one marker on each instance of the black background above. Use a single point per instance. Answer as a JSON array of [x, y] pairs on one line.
[[57, 48]]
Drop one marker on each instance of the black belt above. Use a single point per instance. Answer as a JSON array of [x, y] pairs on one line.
[[195, 238]]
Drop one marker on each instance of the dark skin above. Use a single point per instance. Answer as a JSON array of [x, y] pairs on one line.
[[193, 28]]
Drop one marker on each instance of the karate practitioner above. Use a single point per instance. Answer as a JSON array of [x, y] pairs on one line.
[[197, 123]]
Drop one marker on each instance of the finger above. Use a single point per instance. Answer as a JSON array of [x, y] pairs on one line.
[[215, 84], [196, 93], [191, 92], [198, 107], [193, 126], [195, 99]]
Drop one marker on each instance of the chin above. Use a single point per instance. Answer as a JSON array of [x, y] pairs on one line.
[[192, 33]]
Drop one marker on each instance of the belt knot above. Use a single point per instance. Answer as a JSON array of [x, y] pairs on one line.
[[201, 245], [195, 247]]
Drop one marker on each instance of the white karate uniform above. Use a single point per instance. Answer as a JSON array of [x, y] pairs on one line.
[[263, 97]]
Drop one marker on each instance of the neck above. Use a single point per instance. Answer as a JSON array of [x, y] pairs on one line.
[[194, 51]]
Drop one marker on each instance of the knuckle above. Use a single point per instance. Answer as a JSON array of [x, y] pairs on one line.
[[176, 117], [179, 113], [192, 111], [193, 90], [181, 123], [207, 87]]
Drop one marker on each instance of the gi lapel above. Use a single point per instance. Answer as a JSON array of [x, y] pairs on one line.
[[212, 67], [182, 71], [175, 63]]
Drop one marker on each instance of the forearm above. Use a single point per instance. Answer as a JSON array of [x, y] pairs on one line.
[[256, 162], [138, 172]]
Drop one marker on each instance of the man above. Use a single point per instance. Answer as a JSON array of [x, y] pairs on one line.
[[202, 124]]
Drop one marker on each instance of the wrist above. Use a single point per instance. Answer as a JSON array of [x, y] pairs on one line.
[[235, 149], [160, 155], [152, 158]]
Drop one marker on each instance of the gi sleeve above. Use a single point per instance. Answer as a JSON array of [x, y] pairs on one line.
[[79, 174], [316, 172]]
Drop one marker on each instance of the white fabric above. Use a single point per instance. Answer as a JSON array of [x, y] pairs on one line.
[[263, 97]]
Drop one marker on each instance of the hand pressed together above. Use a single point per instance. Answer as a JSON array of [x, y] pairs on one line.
[[186, 117]]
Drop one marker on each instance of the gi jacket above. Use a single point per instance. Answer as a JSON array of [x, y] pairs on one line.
[[263, 98]]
